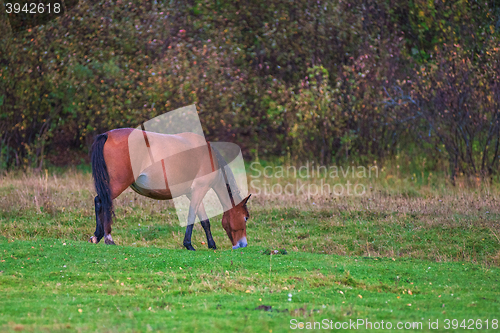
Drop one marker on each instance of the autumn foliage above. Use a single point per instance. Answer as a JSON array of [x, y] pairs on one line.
[[325, 80]]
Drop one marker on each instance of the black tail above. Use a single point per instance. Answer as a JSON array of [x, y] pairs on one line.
[[101, 180]]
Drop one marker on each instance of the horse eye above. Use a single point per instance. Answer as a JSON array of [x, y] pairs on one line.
[[246, 218]]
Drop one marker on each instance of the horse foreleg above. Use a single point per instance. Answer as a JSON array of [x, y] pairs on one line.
[[205, 223], [196, 199], [99, 229], [189, 230], [187, 238], [210, 241]]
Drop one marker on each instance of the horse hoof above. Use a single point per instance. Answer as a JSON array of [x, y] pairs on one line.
[[93, 240], [109, 242], [212, 246], [189, 247]]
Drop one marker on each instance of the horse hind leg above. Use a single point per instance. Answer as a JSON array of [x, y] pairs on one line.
[[107, 231], [118, 184], [99, 229], [102, 228]]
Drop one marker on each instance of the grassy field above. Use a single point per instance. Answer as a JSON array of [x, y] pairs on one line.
[[411, 250]]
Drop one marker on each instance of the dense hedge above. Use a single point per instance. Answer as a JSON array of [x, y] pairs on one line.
[[325, 80]]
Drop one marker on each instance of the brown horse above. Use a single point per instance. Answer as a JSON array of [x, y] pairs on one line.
[[113, 172]]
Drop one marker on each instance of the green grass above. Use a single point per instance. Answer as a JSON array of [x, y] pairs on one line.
[[391, 256], [45, 284], [456, 237]]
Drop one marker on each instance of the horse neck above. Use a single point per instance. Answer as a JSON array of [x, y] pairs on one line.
[[228, 178]]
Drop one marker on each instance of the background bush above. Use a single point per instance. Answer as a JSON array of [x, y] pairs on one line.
[[325, 80]]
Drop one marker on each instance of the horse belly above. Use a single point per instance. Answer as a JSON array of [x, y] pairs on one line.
[[153, 194], [153, 183]]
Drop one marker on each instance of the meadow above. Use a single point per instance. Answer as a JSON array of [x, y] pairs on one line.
[[413, 250]]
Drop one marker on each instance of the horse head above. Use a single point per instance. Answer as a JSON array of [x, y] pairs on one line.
[[234, 221]]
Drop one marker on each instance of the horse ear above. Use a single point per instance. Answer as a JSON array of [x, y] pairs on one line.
[[244, 202]]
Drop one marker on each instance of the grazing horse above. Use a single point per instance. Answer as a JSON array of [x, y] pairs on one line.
[[113, 171]]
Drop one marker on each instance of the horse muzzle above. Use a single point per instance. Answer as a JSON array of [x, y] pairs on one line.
[[241, 243]]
